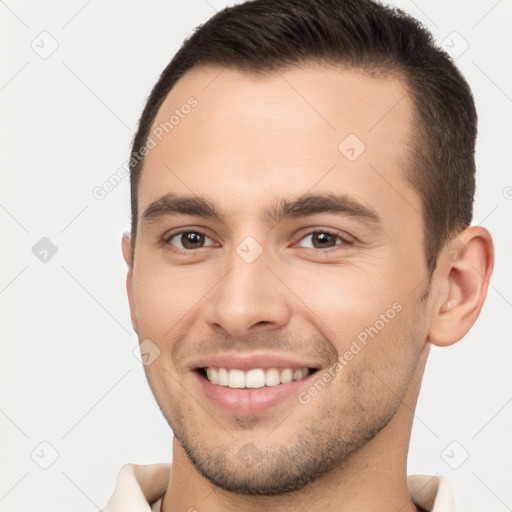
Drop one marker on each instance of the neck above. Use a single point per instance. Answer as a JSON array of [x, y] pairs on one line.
[[373, 478]]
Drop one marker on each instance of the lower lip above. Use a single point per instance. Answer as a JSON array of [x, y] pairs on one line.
[[251, 401]]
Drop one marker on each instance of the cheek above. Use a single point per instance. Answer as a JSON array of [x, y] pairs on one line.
[[163, 299], [380, 360], [344, 300], [371, 320]]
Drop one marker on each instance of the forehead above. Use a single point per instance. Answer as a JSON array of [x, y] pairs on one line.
[[249, 136]]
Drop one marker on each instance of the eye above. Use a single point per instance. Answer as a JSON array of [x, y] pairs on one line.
[[322, 239], [189, 240]]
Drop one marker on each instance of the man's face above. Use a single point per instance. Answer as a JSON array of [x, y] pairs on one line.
[[282, 280]]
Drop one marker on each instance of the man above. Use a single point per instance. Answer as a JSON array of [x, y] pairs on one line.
[[302, 186]]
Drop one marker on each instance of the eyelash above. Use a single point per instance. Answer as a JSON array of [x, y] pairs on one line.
[[166, 239]]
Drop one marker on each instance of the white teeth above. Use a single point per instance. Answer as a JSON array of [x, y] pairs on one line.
[[236, 379], [254, 378], [272, 377], [223, 377], [286, 376], [297, 374]]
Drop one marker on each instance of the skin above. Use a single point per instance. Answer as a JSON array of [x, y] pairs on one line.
[[249, 142]]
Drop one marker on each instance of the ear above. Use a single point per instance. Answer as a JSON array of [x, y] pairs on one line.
[[464, 270], [126, 248]]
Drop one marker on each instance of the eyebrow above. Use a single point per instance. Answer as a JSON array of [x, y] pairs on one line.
[[302, 206], [171, 204], [312, 204]]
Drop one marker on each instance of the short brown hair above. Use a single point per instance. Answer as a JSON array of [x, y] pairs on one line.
[[266, 35]]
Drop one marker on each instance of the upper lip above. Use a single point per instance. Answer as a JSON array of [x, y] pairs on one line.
[[251, 360]]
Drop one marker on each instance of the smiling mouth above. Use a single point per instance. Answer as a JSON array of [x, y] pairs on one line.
[[254, 378]]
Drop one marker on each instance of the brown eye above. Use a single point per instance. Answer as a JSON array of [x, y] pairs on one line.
[[188, 240], [321, 240]]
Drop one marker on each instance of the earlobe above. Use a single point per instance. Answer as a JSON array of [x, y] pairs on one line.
[[464, 270], [126, 249]]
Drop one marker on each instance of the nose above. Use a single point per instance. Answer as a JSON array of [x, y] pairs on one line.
[[248, 299]]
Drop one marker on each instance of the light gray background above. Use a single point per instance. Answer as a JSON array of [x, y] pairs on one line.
[[69, 377]]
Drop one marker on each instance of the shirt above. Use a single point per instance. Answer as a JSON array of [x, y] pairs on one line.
[[140, 488]]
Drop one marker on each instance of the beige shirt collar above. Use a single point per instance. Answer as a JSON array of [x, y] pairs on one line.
[[140, 488]]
